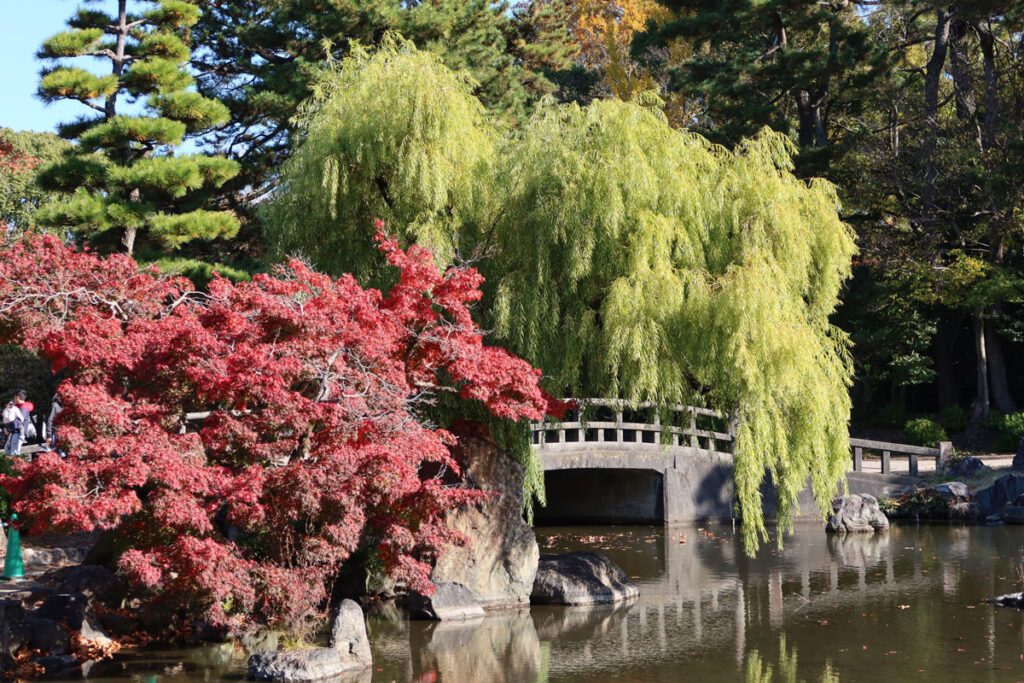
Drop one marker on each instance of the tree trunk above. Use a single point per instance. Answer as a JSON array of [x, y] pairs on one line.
[[991, 120], [964, 96], [933, 75], [807, 121], [946, 332], [981, 406], [998, 382], [119, 59], [128, 239]]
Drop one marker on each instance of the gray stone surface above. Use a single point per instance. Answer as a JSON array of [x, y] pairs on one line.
[[47, 635], [13, 632], [349, 651], [95, 581], [348, 632], [73, 610], [448, 601], [1013, 514], [583, 578], [1004, 490], [1018, 460], [856, 513], [966, 467], [500, 561], [953, 490], [698, 484]]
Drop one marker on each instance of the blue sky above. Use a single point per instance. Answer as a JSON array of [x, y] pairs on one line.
[[24, 25]]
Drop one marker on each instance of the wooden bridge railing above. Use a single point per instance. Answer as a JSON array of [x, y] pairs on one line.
[[887, 450], [617, 421]]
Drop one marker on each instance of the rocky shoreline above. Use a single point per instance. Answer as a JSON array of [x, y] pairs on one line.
[[65, 623]]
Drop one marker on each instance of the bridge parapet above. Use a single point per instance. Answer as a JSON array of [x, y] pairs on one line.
[[622, 425], [617, 425]]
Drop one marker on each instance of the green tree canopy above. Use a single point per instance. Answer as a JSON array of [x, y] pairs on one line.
[[20, 193], [261, 58], [625, 258], [123, 177], [392, 135]]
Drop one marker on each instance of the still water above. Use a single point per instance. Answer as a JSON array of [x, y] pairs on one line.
[[904, 606]]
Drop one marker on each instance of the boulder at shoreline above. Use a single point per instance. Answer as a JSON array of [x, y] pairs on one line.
[[584, 578], [349, 650], [448, 602], [857, 513], [500, 561]]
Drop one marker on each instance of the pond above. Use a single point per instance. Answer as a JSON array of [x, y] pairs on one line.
[[909, 605]]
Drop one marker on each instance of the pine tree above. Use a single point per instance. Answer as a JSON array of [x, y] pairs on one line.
[[123, 179], [792, 65]]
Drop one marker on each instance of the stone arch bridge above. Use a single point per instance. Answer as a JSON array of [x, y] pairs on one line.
[[615, 462]]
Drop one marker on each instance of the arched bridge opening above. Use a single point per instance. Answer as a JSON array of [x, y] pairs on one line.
[[603, 496]]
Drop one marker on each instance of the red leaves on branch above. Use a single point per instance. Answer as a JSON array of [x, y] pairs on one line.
[[312, 444]]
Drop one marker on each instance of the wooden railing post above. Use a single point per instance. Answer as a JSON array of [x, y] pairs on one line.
[[858, 459], [945, 456], [913, 464], [619, 437], [886, 464], [693, 428]]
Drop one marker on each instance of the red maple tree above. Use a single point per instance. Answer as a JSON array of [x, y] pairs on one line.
[[310, 441]]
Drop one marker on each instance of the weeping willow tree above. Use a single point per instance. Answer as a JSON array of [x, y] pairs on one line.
[[626, 259], [392, 135], [636, 261]]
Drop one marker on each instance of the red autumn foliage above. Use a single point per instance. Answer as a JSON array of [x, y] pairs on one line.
[[313, 442]]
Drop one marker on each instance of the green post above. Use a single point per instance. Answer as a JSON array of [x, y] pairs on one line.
[[14, 566]]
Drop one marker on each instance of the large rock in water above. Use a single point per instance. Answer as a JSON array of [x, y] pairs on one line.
[[349, 650], [1002, 492], [857, 513], [449, 601], [1018, 460], [500, 562], [585, 578]]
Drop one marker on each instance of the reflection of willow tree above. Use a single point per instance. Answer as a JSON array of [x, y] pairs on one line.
[[627, 259], [759, 671]]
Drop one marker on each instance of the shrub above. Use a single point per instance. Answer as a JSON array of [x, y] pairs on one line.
[[1011, 429], [893, 414], [953, 419], [924, 432]]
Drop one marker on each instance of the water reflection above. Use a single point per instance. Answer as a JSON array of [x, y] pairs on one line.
[[910, 600], [909, 603]]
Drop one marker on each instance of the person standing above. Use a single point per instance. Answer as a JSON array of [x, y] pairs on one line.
[[14, 423], [56, 408]]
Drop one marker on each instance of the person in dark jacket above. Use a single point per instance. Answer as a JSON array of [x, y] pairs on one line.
[[56, 408], [14, 423]]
